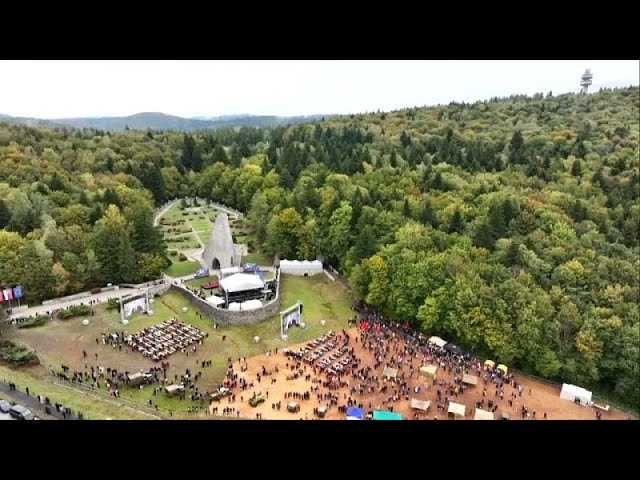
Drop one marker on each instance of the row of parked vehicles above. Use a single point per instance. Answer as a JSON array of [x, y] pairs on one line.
[[17, 411]]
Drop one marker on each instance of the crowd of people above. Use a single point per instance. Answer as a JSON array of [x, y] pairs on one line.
[[389, 347]]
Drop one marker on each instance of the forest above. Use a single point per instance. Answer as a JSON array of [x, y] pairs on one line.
[[509, 225]]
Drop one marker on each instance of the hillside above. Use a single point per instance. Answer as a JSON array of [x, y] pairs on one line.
[[161, 121], [509, 226]]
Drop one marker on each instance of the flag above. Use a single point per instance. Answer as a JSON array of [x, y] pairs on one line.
[[9, 293], [17, 291]]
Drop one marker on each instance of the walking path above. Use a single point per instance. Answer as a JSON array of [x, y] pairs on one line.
[[98, 297]]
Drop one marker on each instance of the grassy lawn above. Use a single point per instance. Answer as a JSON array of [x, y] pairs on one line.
[[182, 242], [200, 224], [63, 342], [197, 282], [39, 383], [322, 300], [259, 258], [180, 269], [204, 236]]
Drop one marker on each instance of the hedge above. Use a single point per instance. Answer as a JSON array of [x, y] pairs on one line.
[[12, 353], [76, 311], [36, 321]]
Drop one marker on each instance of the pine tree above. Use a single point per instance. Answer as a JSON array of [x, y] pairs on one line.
[[153, 181], [145, 238], [5, 215], [457, 222], [516, 148], [497, 221], [110, 197], [405, 140], [406, 209], [428, 214], [113, 248], [393, 160], [576, 168], [219, 155]]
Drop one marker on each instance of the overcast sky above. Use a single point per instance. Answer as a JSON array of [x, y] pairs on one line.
[[58, 89]]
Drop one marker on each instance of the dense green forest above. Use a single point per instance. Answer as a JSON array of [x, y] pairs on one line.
[[510, 225]]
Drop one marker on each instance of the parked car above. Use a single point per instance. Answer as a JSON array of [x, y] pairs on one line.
[[21, 413], [256, 400], [5, 406], [220, 394]]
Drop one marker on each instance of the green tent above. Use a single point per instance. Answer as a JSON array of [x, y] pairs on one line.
[[384, 415]]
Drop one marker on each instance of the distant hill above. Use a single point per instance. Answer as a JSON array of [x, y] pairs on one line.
[[162, 121]]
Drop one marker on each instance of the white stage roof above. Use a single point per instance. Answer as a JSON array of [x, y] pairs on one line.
[[240, 282]]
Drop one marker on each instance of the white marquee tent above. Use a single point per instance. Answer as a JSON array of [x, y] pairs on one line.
[[571, 392], [469, 379], [422, 405], [437, 341], [483, 415], [390, 373], [251, 305], [240, 282], [215, 300], [304, 267], [429, 371], [457, 410]]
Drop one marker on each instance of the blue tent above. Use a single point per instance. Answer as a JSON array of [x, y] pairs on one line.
[[354, 413], [385, 415]]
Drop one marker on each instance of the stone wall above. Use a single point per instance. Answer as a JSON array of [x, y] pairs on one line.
[[159, 289], [229, 317]]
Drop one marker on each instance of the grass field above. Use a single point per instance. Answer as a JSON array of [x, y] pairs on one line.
[[40, 383], [180, 269], [259, 258], [63, 342]]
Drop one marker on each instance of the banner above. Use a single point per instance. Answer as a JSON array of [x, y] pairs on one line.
[[139, 305], [17, 291], [291, 319], [8, 294], [203, 272]]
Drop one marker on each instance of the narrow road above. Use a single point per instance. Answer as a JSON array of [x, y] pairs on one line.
[[101, 297], [32, 403]]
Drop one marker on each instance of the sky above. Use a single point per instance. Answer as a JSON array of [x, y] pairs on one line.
[[82, 88]]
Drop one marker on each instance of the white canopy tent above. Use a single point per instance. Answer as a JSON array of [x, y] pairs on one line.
[[240, 282], [437, 341], [390, 373], [429, 371], [298, 267], [483, 415], [251, 305], [422, 405], [469, 379], [571, 392], [457, 410], [215, 300]]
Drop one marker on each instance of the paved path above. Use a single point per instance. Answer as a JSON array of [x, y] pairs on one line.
[[101, 297], [32, 403]]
